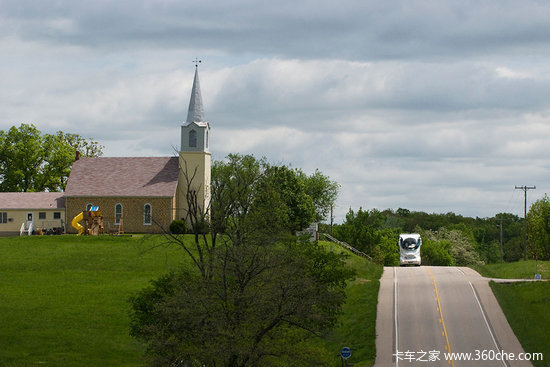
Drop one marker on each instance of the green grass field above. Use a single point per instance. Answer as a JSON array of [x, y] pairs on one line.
[[515, 270], [64, 300], [525, 304], [358, 322]]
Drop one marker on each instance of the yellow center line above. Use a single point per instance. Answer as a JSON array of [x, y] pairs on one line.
[[441, 315]]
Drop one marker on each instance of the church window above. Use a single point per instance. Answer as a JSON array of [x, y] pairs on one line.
[[118, 213], [147, 218], [192, 138], [207, 139]]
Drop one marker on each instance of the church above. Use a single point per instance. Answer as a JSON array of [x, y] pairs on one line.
[[136, 194]]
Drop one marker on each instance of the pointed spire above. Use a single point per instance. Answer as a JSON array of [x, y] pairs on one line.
[[195, 112]]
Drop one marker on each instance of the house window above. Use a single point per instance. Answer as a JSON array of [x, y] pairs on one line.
[[3, 217], [192, 138], [42, 215], [56, 215], [118, 213], [147, 218]]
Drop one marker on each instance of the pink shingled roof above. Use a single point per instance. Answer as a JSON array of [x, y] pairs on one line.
[[32, 200], [124, 176]]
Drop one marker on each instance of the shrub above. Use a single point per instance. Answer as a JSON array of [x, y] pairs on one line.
[[178, 226]]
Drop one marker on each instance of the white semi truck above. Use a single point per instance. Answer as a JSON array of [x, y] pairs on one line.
[[409, 248]]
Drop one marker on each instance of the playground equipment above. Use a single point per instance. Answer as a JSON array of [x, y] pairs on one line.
[[77, 225], [93, 222]]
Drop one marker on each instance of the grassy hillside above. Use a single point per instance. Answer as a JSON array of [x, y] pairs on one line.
[[515, 270], [63, 300], [358, 323], [525, 304]]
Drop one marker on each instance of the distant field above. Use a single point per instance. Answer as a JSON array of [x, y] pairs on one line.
[[63, 300], [515, 270]]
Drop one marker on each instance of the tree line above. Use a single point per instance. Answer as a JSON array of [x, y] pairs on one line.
[[450, 239], [34, 161]]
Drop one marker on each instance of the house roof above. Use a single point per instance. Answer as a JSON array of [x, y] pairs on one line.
[[32, 200], [123, 176]]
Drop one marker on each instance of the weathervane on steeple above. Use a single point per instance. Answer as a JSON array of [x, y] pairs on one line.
[[197, 62]]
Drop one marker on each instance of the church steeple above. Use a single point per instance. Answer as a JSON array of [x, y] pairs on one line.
[[196, 111], [195, 131], [194, 157]]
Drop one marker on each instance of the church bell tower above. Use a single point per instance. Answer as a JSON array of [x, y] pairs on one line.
[[194, 157]]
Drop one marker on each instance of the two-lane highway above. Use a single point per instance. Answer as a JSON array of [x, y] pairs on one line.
[[427, 313]]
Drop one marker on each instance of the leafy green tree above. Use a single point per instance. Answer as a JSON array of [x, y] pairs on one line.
[[361, 230], [436, 252], [538, 224], [258, 303], [291, 188], [251, 293], [22, 154], [32, 161], [323, 192]]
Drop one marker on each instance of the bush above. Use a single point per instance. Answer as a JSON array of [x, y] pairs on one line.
[[178, 226], [436, 252]]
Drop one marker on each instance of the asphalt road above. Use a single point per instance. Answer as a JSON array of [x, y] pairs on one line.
[[426, 312]]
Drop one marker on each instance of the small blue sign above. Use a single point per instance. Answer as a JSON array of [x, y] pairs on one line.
[[345, 352], [538, 277]]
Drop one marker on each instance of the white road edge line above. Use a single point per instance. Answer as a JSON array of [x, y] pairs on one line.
[[460, 270], [486, 322], [395, 315]]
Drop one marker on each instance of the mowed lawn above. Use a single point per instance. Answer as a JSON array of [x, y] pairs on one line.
[[525, 304], [64, 299]]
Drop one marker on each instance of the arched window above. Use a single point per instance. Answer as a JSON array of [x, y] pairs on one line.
[[192, 138], [118, 213], [147, 215]]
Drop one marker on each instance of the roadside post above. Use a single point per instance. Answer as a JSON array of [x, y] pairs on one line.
[[345, 353]]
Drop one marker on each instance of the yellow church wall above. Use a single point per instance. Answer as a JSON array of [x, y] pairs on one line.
[[162, 211], [197, 165]]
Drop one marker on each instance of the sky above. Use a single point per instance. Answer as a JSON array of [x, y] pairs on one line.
[[430, 105]]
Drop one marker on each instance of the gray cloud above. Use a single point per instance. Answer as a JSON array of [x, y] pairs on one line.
[[430, 105]]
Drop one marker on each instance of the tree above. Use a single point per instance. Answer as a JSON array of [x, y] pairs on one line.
[[258, 303], [323, 192], [251, 292], [32, 161], [538, 222]]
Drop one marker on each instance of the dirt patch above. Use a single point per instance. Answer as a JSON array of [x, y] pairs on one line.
[[361, 281]]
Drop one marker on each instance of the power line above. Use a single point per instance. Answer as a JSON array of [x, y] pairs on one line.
[[525, 188]]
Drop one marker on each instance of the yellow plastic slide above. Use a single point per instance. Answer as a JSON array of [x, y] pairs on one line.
[[77, 225]]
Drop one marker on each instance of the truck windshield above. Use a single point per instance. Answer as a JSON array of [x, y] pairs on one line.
[[410, 244]]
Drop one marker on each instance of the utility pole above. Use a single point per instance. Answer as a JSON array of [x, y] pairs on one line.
[[525, 188]]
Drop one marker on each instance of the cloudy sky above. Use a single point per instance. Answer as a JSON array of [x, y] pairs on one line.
[[428, 105]]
